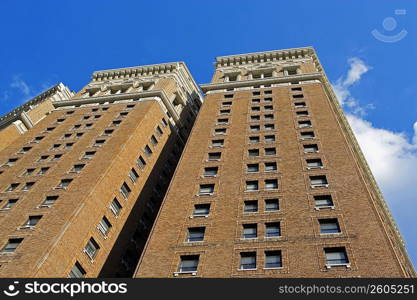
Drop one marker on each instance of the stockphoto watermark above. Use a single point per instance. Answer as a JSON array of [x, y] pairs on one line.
[[391, 34], [63, 288]]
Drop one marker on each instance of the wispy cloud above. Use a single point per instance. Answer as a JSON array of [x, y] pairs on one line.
[[19, 84], [357, 68], [391, 156]]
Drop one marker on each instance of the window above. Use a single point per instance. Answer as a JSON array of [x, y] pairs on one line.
[[12, 187], [269, 138], [304, 124], [123, 114], [270, 151], [79, 135], [159, 130], [28, 172], [273, 259], [253, 152], [214, 156], [99, 143], [318, 181], [91, 248], [269, 117], [70, 112], [300, 104], [255, 108], [116, 122], [301, 113], [291, 71], [268, 92], [43, 158], [105, 109], [206, 189], [227, 103], [201, 210], [43, 171], [28, 186], [252, 185], [250, 206], [272, 230], [147, 150], [125, 190], [77, 271], [254, 128], [270, 166], [248, 260], [323, 201], [11, 162], [133, 175], [256, 101], [328, 226], [271, 204], [115, 207], [294, 89], [32, 221], [254, 139], [307, 135], [104, 226], [154, 141], [11, 245], [10, 203], [256, 93], [250, 231], [88, 125], [56, 146], [37, 139], [195, 234], [50, 129], [68, 145], [255, 118], [211, 171], [312, 148], [76, 126], [268, 99], [252, 168], [67, 136], [269, 126], [271, 184], [56, 157], [141, 162], [224, 111], [268, 107], [336, 256], [77, 168], [49, 201], [222, 121], [89, 154], [108, 132], [188, 264], [64, 183], [25, 149], [227, 96], [315, 163], [298, 96], [217, 143], [220, 131]]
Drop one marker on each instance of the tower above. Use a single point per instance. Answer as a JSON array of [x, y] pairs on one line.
[[272, 183], [80, 189]]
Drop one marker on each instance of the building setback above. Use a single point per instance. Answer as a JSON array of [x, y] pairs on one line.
[[80, 189], [272, 183]]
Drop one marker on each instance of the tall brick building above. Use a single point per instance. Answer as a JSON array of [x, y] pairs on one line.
[[79, 190], [272, 183]]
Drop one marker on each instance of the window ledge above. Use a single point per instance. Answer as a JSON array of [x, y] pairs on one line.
[[324, 207], [247, 269], [277, 268], [205, 194], [194, 273], [197, 216], [329, 266], [319, 186], [312, 168]]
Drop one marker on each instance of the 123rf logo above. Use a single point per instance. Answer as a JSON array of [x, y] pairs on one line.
[[71, 289]]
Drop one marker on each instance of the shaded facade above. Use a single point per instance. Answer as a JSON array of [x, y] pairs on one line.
[[276, 184], [80, 189]]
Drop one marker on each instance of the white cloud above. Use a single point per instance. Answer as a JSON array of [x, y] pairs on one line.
[[21, 85]]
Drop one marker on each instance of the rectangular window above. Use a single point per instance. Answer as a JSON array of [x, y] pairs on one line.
[[25, 149], [252, 185], [307, 135], [141, 162], [43, 171], [11, 162], [108, 132], [295, 89], [214, 156], [201, 210], [28, 172], [43, 158], [134, 176], [336, 256], [211, 171], [322, 201], [269, 126], [318, 181], [104, 226], [270, 151], [314, 163], [49, 201], [257, 93], [298, 96], [79, 135], [253, 152], [328, 226], [77, 168], [250, 206], [269, 117], [188, 264], [222, 121], [91, 248], [28, 186], [255, 118], [56, 157], [269, 138], [116, 122], [89, 154], [12, 187], [268, 92], [77, 271], [64, 183], [10, 203], [225, 111], [76, 126], [115, 207], [270, 166], [123, 114], [272, 230], [248, 260], [147, 150], [254, 139], [255, 128], [255, 108], [312, 148], [99, 143], [268, 99], [12, 245], [88, 125], [159, 131], [125, 190], [268, 107], [154, 141], [37, 139], [301, 113], [220, 131], [256, 101], [300, 104], [252, 168], [227, 96], [304, 124], [271, 184], [195, 234], [227, 103], [273, 260], [250, 231], [271, 204], [217, 143], [56, 146], [206, 189], [32, 221]]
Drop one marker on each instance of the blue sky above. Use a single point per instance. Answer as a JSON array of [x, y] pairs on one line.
[[46, 42]]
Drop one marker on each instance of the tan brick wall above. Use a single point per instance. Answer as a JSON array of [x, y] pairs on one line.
[[8, 135], [39, 111]]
